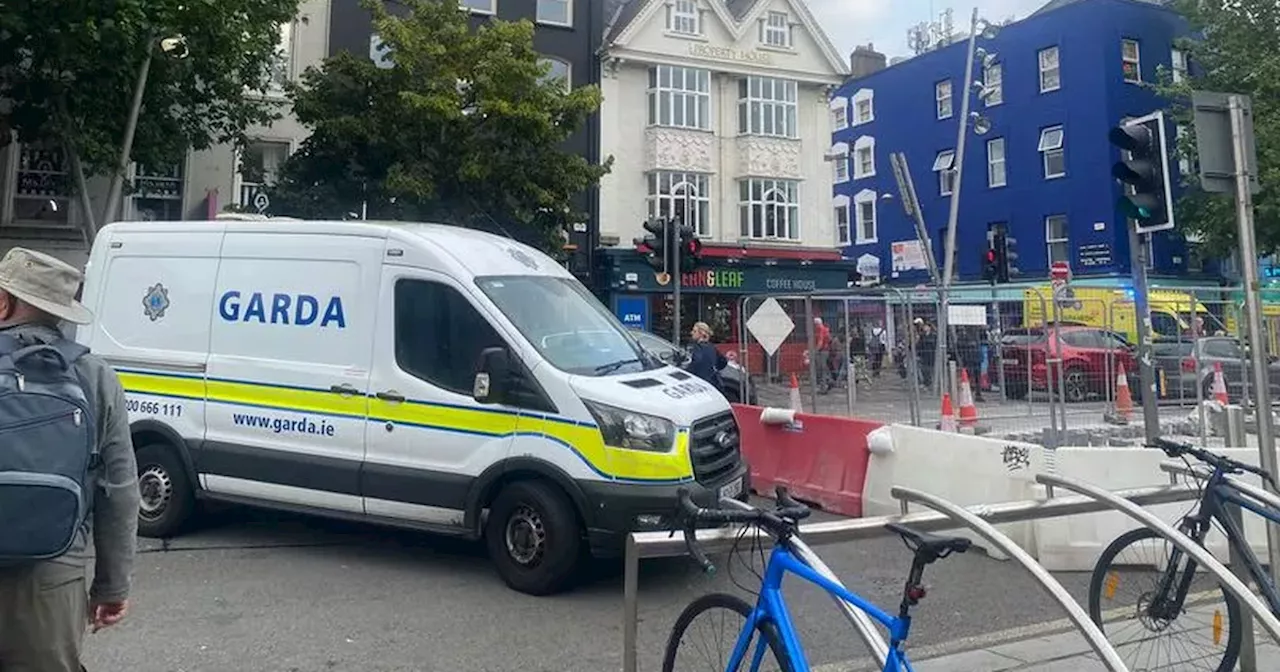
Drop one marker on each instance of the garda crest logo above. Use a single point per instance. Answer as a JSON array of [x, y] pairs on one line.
[[155, 301]]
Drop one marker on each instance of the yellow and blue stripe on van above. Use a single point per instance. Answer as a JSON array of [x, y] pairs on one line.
[[583, 439]]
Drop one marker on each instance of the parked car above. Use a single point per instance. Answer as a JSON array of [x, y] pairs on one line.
[[732, 377], [1189, 365], [1091, 358]]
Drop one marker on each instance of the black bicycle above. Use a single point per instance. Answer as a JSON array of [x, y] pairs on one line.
[[1175, 607]]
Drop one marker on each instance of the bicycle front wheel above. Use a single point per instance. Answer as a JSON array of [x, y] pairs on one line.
[[1203, 635], [704, 635]]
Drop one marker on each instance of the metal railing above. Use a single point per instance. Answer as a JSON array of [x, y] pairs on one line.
[[1090, 500]]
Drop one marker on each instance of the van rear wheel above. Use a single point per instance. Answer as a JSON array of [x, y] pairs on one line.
[[167, 500], [534, 537]]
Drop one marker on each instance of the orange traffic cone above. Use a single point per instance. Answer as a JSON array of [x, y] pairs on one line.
[[968, 412], [1124, 399], [1219, 385], [795, 394], [948, 423]]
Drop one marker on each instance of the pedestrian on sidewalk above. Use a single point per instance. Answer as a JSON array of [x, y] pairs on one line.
[[705, 361], [45, 602]]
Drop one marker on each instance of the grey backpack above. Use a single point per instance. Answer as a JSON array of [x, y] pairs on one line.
[[48, 449]]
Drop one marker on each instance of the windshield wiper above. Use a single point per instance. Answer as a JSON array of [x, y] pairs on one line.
[[614, 366]]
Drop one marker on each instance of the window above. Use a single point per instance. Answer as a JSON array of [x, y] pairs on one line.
[[480, 6], [683, 17], [769, 209], [1184, 163], [865, 212], [260, 164], [1050, 73], [685, 196], [993, 85], [558, 12], [42, 190], [1055, 238], [943, 165], [1051, 146], [864, 110], [679, 97], [839, 113], [1131, 60], [560, 71], [997, 176], [767, 106], [840, 205], [864, 157], [439, 335], [840, 159], [157, 193], [282, 61], [942, 93], [1179, 60], [776, 30]]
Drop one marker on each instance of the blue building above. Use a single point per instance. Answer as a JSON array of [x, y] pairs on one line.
[[1062, 78]]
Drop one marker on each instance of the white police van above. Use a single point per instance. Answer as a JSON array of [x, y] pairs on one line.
[[416, 375]]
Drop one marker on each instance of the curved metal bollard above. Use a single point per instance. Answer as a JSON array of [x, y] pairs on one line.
[[1097, 641], [1182, 541]]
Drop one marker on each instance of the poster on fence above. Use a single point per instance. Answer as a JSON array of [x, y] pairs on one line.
[[908, 255]]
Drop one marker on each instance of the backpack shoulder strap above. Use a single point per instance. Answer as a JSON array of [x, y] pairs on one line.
[[70, 350]]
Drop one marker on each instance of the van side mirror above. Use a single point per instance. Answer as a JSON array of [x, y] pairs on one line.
[[492, 375]]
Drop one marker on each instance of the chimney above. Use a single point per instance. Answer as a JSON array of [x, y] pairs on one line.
[[865, 60]]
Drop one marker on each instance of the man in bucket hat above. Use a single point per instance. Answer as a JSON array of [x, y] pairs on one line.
[[46, 605]]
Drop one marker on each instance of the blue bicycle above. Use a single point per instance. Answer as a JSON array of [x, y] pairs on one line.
[[768, 623]]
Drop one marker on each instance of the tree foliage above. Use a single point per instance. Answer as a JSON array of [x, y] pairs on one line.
[[1233, 49], [462, 126], [68, 70]]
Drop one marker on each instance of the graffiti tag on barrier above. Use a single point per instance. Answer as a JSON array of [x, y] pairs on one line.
[[1016, 457]]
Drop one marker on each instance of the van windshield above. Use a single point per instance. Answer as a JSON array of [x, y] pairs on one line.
[[567, 325]]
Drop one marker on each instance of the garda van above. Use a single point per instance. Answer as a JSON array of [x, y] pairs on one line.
[[417, 375]]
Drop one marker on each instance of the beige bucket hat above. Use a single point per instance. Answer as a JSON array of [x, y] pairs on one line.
[[47, 283]]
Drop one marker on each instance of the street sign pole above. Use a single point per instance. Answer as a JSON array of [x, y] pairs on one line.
[[1241, 152], [1142, 308]]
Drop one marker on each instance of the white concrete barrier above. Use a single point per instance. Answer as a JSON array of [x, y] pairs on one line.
[[970, 470]]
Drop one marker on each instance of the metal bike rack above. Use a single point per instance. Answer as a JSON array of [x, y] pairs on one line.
[[665, 544], [1182, 541], [1097, 641]]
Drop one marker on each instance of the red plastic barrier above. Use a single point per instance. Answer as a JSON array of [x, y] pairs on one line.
[[821, 459]]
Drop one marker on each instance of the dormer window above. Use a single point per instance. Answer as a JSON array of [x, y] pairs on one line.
[[684, 18], [776, 30]]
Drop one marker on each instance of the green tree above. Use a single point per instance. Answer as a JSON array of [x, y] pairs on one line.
[[460, 125], [1233, 50], [70, 72]]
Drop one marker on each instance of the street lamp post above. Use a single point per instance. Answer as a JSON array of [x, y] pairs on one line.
[[962, 134]]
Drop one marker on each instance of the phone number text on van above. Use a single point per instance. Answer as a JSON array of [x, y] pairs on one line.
[[147, 407]]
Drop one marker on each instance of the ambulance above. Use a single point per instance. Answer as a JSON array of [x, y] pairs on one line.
[[414, 375]]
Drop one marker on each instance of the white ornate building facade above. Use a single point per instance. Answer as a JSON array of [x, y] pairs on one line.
[[718, 111]]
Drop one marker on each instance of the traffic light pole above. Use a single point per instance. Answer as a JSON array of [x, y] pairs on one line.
[[671, 234], [1142, 307]]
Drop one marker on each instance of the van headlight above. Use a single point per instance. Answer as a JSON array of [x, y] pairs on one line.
[[634, 431]]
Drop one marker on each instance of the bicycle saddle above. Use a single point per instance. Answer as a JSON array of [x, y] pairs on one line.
[[932, 545]]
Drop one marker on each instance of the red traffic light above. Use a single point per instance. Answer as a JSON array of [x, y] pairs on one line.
[[991, 256]]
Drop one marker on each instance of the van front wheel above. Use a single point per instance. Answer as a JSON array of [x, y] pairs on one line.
[[167, 500], [534, 537]]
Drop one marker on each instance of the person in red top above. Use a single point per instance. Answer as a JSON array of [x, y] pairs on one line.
[[822, 343]]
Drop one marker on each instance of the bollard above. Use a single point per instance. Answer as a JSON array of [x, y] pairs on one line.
[[1237, 437], [953, 379]]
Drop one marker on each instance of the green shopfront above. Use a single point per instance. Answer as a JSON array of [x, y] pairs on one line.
[[713, 292]]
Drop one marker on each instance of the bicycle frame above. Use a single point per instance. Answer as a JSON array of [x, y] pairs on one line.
[[1218, 495], [772, 608]]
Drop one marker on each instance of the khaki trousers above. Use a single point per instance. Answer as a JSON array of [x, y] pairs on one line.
[[44, 612]]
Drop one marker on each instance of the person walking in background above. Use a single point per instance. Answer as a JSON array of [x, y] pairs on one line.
[[926, 352], [45, 605], [877, 348], [705, 361]]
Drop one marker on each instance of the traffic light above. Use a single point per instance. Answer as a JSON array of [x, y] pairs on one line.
[[1144, 173], [655, 246], [989, 263], [1005, 248], [690, 249]]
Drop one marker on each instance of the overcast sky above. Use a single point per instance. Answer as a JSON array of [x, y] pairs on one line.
[[885, 22]]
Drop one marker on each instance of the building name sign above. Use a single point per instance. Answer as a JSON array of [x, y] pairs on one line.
[[721, 278], [731, 54]]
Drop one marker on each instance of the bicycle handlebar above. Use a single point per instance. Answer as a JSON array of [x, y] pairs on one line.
[[779, 522], [1176, 449]]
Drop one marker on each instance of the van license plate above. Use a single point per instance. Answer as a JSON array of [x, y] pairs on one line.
[[731, 490]]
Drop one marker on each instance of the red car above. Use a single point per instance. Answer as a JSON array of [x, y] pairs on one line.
[[1091, 359]]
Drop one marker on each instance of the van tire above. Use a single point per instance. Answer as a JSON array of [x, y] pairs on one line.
[[168, 501], [550, 563]]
